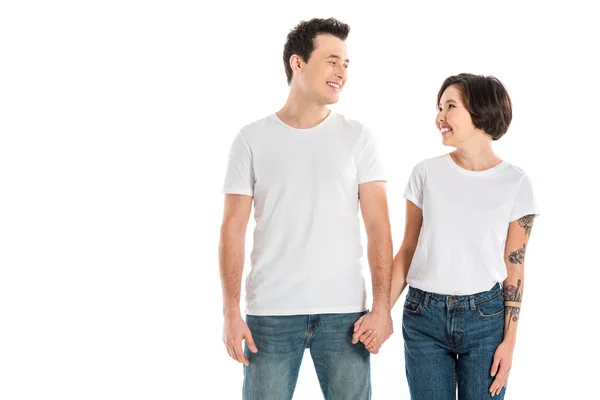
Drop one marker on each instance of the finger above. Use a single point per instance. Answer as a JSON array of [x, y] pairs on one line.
[[357, 323], [503, 373], [250, 342], [495, 385], [374, 347], [499, 382], [365, 335], [504, 382], [231, 348], [357, 335], [495, 366], [229, 351], [239, 353], [500, 388], [371, 340]]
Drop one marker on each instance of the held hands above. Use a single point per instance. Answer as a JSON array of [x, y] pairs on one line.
[[373, 329], [234, 330]]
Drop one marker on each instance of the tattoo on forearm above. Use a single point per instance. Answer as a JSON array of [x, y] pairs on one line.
[[513, 294], [513, 312], [517, 256], [526, 223]]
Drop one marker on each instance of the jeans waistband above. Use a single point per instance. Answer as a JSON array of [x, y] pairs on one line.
[[425, 297]]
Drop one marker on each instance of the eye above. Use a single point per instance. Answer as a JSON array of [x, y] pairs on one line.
[[451, 106], [332, 62]]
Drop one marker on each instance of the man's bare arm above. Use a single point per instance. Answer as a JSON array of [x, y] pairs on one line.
[[236, 213], [374, 208]]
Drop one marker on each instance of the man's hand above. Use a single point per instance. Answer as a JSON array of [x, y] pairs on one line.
[[234, 330], [373, 329]]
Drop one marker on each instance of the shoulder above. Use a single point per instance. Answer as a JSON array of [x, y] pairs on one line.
[[431, 163], [351, 128], [252, 130], [255, 134], [516, 174]]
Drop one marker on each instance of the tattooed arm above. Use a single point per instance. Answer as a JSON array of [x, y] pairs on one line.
[[516, 245], [514, 256]]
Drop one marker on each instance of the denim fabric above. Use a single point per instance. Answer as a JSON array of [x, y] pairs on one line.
[[449, 343], [343, 368]]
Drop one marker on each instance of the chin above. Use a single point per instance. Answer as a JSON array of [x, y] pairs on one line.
[[447, 142], [332, 99]]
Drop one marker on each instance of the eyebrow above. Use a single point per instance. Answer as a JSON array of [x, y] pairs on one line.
[[337, 57], [447, 101]]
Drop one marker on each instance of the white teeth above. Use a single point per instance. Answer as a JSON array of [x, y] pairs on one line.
[[445, 129], [335, 85]]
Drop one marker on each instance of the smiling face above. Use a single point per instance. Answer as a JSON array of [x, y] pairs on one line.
[[454, 119], [323, 77]]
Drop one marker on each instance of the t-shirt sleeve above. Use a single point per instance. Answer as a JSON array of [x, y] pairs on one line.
[[415, 185], [239, 175], [369, 165], [525, 203]]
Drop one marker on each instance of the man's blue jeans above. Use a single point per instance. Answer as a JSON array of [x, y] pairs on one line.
[[343, 368]]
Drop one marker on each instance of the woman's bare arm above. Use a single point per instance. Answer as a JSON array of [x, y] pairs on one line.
[[402, 260], [519, 232]]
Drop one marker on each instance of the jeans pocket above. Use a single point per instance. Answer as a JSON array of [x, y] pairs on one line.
[[491, 308], [412, 307]]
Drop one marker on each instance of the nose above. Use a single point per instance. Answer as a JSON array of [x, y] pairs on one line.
[[341, 72], [441, 116]]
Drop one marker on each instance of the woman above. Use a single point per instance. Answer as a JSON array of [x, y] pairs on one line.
[[469, 216]]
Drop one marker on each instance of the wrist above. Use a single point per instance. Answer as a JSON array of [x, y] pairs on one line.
[[381, 308], [231, 312], [510, 340]]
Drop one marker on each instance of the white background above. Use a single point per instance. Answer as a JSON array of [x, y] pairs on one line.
[[116, 119]]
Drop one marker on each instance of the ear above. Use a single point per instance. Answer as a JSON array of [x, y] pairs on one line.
[[296, 63]]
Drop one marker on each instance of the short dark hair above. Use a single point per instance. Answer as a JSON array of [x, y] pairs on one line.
[[300, 40], [486, 99]]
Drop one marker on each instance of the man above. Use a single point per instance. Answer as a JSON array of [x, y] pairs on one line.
[[307, 170]]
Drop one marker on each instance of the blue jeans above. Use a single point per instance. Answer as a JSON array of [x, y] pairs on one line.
[[449, 343], [343, 368]]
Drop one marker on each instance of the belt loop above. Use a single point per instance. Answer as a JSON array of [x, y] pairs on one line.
[[426, 301], [472, 302]]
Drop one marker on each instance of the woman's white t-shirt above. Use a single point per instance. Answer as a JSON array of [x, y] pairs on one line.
[[465, 223]]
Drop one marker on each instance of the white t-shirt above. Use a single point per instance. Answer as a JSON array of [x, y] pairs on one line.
[[465, 223], [307, 251]]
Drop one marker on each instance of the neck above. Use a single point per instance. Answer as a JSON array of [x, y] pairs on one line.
[[301, 112], [476, 155]]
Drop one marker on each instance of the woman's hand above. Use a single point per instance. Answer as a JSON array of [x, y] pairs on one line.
[[501, 366], [368, 338]]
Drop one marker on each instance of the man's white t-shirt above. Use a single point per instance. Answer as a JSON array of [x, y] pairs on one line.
[[307, 251], [465, 223]]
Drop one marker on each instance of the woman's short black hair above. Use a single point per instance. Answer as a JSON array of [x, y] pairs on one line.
[[486, 99]]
